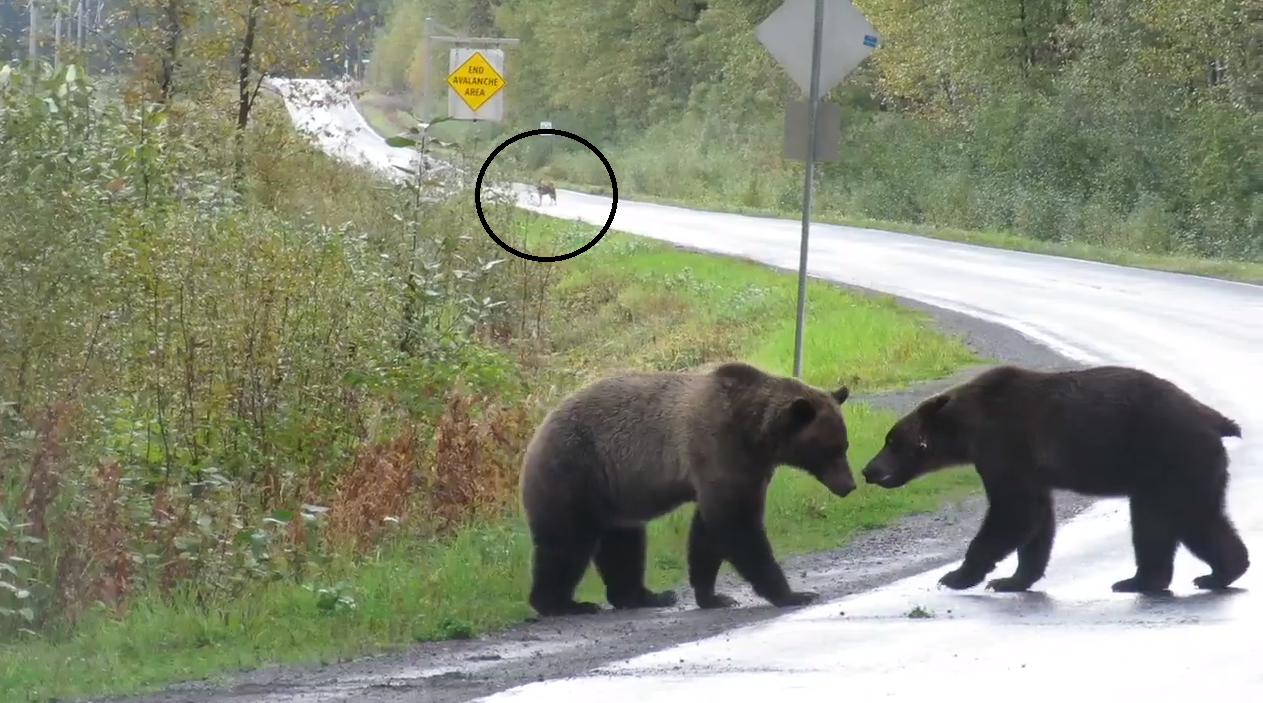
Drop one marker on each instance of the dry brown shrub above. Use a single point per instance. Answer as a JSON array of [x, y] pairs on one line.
[[309, 492], [475, 460], [378, 486], [169, 517], [106, 539], [37, 505], [93, 563], [47, 465]]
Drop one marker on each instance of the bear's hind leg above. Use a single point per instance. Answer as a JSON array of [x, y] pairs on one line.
[[1213, 539], [1205, 528], [1033, 556], [1153, 537], [561, 555], [620, 560]]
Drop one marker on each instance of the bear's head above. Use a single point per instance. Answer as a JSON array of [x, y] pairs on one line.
[[786, 421], [811, 435], [929, 438]]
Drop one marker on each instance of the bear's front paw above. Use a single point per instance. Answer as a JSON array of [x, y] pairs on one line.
[[645, 599], [1209, 582], [716, 600], [1009, 584], [1136, 584], [794, 598], [563, 608], [962, 578]]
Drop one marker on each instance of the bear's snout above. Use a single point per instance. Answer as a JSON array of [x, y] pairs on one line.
[[843, 488], [839, 480], [877, 472]]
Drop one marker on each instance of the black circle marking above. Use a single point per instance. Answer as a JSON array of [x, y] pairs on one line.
[[531, 257]]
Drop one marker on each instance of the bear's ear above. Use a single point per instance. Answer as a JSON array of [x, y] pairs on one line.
[[740, 373], [800, 414], [841, 394], [933, 408]]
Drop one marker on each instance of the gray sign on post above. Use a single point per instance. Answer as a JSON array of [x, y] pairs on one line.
[[850, 39], [828, 131]]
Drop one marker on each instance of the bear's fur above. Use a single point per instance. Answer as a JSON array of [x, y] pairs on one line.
[[630, 448], [1106, 431]]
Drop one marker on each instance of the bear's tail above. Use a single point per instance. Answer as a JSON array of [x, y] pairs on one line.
[[1225, 426], [1229, 428]]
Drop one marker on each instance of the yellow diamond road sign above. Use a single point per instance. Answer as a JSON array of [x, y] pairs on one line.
[[475, 81]]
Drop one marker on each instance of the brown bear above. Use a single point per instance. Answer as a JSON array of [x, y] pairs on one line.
[[630, 448], [1106, 431]]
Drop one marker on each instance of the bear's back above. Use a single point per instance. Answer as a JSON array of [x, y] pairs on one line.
[[1100, 430], [623, 441]]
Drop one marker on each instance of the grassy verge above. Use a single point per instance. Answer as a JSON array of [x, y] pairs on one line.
[[388, 115], [382, 113], [629, 303]]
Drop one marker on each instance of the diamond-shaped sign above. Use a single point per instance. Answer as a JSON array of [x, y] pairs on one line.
[[846, 40], [475, 81]]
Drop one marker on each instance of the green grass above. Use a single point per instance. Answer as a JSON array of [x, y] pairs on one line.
[[665, 308], [377, 119], [384, 114], [628, 303]]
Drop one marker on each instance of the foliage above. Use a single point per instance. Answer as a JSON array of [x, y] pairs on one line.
[[1133, 125], [122, 36], [232, 368], [628, 303], [190, 373]]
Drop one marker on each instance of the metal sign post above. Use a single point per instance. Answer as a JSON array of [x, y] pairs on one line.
[[851, 38], [813, 100]]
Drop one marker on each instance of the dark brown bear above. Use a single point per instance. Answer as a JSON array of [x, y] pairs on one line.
[[1106, 431], [631, 448]]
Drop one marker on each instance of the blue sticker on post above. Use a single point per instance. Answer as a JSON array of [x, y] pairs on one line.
[[870, 40]]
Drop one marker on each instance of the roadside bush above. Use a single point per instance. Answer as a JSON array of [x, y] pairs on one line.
[[202, 387]]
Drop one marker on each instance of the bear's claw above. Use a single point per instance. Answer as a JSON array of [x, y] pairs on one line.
[[1136, 585], [961, 579], [647, 599], [794, 598], [716, 600], [1209, 582], [1008, 584]]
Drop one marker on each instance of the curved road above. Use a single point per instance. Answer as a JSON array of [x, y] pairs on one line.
[[1072, 638]]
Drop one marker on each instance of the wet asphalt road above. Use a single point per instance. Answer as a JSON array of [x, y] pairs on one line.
[[1071, 638], [1074, 637]]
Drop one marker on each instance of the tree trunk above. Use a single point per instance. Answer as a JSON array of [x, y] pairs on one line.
[[172, 30], [245, 97], [1028, 47]]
